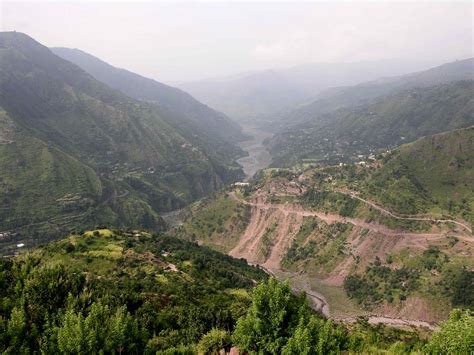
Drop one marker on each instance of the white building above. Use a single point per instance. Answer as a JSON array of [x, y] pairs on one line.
[[240, 184]]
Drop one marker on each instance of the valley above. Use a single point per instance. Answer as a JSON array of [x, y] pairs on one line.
[[303, 199], [310, 226]]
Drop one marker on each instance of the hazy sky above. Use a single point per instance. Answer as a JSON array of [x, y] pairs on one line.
[[176, 41]]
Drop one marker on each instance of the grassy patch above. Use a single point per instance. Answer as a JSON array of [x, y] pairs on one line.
[[267, 240], [217, 222]]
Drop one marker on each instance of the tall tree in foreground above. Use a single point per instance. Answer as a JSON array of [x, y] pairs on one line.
[[271, 319], [280, 323], [456, 336], [315, 336]]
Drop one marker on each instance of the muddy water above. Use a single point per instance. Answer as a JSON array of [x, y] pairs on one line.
[[259, 157]]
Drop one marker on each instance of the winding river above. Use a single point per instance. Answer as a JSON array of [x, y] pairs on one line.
[[259, 157]]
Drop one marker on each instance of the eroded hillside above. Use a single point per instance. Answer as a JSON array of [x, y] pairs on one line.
[[345, 246]]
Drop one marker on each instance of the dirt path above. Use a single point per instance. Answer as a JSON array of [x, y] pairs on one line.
[[332, 218], [404, 217]]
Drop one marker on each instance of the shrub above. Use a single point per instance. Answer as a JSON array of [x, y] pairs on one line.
[[213, 341]]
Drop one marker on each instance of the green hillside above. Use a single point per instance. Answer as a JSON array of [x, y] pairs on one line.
[[38, 181], [217, 221], [365, 93], [119, 291], [343, 135], [197, 122], [131, 164], [433, 173]]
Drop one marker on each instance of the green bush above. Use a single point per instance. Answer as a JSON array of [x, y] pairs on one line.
[[456, 336], [213, 341]]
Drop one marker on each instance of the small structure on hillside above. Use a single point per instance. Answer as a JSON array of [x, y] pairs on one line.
[[241, 184], [21, 245]]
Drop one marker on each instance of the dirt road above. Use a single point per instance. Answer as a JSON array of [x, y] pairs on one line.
[[332, 218], [404, 217]]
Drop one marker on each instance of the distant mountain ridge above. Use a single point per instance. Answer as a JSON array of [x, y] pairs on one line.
[[340, 97], [76, 153], [248, 97]]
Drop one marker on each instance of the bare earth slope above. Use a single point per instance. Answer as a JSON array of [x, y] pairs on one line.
[[354, 247], [273, 227]]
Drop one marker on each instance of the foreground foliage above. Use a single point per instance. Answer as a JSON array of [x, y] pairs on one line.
[[456, 335], [120, 292], [117, 292], [279, 322]]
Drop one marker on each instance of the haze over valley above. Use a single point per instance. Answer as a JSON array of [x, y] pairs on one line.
[[237, 178]]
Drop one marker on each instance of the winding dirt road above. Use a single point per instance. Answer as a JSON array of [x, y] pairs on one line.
[[404, 217], [248, 247], [332, 218]]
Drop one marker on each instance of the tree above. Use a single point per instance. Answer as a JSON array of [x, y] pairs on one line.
[[96, 326], [16, 327], [71, 337], [271, 319], [315, 336], [213, 341], [456, 336], [123, 331]]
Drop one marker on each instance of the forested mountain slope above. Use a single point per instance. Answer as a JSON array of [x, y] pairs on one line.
[[344, 134], [433, 173], [76, 152], [365, 93], [195, 121]]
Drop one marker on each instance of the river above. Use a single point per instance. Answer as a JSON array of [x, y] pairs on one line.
[[259, 157]]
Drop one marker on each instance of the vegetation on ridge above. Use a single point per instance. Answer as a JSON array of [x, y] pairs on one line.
[[119, 291], [345, 134], [129, 291]]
